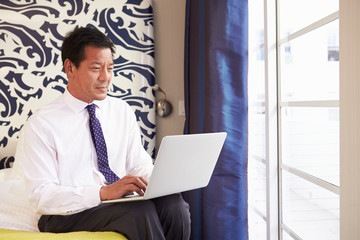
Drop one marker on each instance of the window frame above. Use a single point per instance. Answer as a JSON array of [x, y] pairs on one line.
[[283, 104], [273, 106]]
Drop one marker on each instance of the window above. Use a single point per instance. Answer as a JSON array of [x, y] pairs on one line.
[[293, 119], [256, 114]]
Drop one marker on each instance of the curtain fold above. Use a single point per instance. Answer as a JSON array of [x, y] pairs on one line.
[[216, 51]]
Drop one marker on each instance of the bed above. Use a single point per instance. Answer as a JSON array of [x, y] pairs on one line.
[[18, 219], [20, 235]]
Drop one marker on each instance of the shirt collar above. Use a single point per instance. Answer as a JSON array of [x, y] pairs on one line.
[[77, 105]]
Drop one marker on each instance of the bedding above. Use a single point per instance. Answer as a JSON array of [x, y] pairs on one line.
[[6, 234], [18, 219], [15, 211]]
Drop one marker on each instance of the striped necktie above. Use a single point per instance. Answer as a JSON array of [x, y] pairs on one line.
[[100, 145]]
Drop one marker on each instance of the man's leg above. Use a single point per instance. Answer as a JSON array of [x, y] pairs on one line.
[[135, 220], [174, 216]]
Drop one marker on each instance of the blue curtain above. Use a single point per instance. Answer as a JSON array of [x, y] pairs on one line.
[[216, 51]]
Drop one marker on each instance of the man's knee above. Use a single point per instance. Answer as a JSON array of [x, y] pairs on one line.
[[136, 220], [177, 208], [144, 210], [174, 216]]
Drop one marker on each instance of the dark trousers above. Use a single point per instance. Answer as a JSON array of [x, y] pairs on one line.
[[160, 218]]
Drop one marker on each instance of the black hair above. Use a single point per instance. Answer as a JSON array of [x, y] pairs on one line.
[[74, 44]]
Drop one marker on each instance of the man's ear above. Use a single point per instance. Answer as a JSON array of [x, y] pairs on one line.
[[68, 67]]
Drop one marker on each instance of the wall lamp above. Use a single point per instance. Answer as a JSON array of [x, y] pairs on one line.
[[163, 107]]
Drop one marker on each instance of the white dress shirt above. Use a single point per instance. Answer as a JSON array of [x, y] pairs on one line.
[[60, 162]]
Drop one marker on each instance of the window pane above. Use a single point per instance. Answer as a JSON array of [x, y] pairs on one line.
[[256, 23], [310, 67], [256, 151], [310, 141], [286, 236], [257, 227], [256, 115], [297, 14], [308, 210], [256, 93], [257, 185]]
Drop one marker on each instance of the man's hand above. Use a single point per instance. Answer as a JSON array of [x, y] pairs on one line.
[[125, 186]]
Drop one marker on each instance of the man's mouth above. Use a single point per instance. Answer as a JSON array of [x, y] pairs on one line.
[[102, 88]]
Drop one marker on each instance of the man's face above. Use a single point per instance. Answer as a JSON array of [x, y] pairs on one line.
[[91, 80]]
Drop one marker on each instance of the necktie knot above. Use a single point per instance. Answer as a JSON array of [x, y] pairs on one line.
[[91, 109]]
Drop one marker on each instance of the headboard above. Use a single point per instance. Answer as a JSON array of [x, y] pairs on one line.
[[31, 72]]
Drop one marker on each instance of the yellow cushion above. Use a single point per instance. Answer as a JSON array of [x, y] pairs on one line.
[[6, 234]]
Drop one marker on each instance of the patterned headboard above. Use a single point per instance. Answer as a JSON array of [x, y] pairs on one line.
[[31, 72]]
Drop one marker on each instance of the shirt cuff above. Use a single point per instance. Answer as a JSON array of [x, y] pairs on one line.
[[90, 199], [92, 196]]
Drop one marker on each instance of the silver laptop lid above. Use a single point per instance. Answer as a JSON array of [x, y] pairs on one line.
[[184, 162]]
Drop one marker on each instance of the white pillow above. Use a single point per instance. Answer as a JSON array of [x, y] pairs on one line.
[[5, 174], [17, 172], [16, 211]]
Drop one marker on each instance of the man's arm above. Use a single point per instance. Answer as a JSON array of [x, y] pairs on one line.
[[41, 173]]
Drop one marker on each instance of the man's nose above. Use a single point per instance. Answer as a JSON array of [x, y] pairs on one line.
[[105, 75]]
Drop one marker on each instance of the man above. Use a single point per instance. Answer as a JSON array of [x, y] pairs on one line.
[[64, 157]]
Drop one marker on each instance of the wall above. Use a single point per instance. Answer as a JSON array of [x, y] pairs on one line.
[[169, 22], [169, 18], [31, 35], [349, 119]]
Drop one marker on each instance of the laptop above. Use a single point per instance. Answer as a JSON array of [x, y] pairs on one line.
[[183, 163]]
